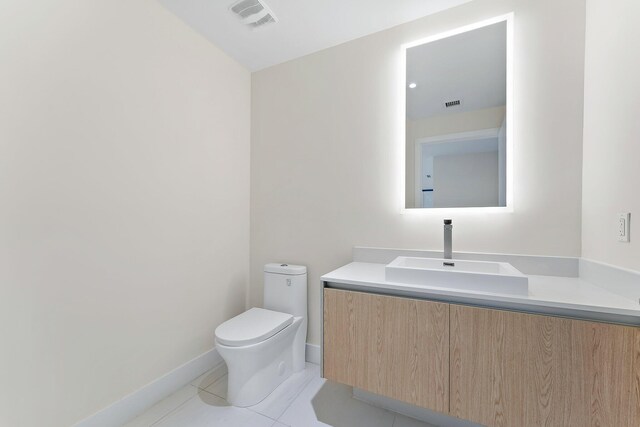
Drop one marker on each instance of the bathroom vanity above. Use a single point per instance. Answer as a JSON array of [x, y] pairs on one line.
[[565, 353]]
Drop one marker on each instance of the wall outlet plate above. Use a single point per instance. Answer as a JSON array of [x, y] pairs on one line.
[[624, 226]]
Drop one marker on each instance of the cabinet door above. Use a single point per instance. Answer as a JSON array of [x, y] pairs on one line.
[[395, 347], [514, 369]]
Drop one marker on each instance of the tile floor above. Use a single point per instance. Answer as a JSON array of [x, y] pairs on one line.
[[304, 400]]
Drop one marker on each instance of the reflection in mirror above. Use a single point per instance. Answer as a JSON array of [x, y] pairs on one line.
[[456, 123]]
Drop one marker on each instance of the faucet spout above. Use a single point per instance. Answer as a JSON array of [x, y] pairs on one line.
[[448, 231]]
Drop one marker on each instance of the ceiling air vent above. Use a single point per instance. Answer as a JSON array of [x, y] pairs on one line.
[[450, 104], [253, 13]]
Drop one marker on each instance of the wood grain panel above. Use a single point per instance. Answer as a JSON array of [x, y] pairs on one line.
[[395, 347], [513, 369]]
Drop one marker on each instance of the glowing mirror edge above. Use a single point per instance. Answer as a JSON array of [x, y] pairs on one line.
[[402, 160]]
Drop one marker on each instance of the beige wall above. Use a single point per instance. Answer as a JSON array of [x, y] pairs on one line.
[[611, 176], [124, 202], [486, 118], [325, 149]]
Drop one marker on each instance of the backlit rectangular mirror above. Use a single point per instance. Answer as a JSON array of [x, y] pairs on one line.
[[458, 146]]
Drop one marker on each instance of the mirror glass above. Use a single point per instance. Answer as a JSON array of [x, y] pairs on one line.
[[456, 120]]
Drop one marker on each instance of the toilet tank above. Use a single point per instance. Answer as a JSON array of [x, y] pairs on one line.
[[285, 288]]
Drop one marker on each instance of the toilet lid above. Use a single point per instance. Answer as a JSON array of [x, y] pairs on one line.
[[252, 326]]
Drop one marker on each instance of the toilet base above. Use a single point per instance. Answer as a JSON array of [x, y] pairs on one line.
[[258, 369]]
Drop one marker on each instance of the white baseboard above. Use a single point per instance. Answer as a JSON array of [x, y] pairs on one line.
[[129, 407], [313, 353], [134, 404]]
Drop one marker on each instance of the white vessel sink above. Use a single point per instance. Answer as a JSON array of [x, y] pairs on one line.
[[483, 276]]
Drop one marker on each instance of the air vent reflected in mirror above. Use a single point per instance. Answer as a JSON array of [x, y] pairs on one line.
[[253, 13]]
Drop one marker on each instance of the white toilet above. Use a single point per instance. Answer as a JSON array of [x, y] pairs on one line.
[[264, 346]]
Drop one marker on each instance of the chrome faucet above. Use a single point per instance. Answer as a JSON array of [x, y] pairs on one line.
[[448, 228]]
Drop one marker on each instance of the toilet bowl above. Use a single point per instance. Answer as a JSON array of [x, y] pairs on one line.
[[262, 347]]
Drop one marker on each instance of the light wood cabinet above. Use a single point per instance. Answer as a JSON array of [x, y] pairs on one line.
[[395, 347], [493, 367], [513, 369]]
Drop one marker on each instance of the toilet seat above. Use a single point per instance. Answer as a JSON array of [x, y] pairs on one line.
[[251, 327]]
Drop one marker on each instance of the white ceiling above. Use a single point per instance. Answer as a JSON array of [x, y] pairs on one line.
[[469, 66], [303, 26]]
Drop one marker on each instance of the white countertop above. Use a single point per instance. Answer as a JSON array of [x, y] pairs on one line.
[[564, 296]]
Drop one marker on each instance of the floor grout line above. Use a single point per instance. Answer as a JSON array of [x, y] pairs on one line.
[[260, 413], [213, 394], [214, 381], [276, 420], [175, 409], [300, 390]]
